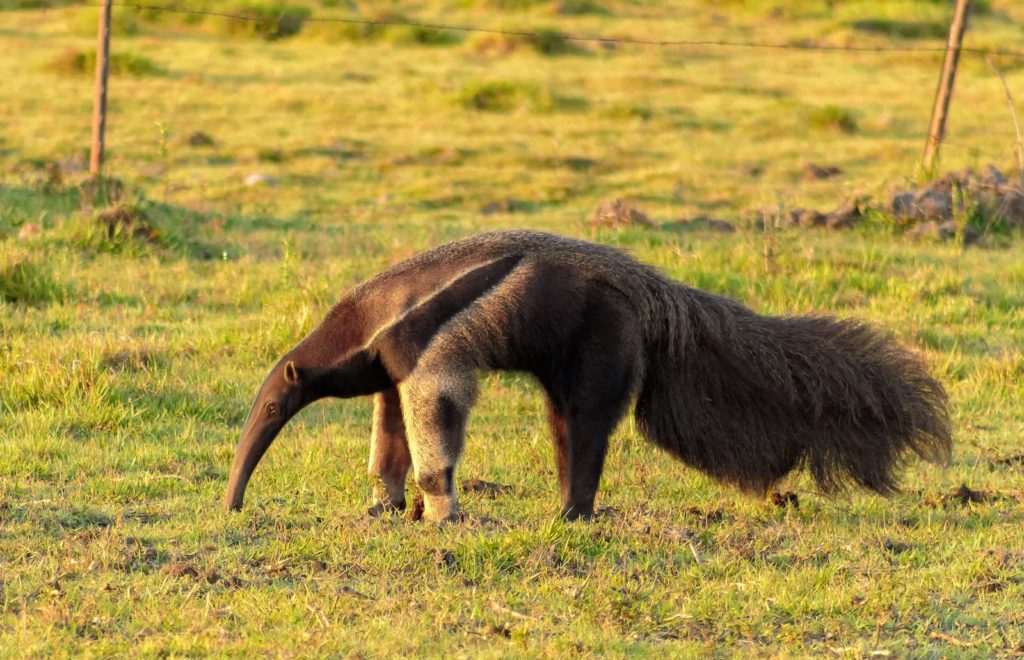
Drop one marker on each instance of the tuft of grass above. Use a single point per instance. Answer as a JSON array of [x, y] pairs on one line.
[[271, 20], [421, 36], [383, 32], [26, 278], [496, 95], [832, 117], [904, 29], [75, 62], [579, 7], [628, 111], [544, 41], [505, 5], [270, 155], [506, 96]]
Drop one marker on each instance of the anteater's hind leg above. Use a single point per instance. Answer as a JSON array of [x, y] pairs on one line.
[[586, 403], [560, 439], [389, 453], [580, 452], [436, 399]]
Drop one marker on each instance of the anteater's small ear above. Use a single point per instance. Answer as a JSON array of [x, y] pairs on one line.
[[291, 374]]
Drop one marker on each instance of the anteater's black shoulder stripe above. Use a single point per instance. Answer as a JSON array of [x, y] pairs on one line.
[[399, 345]]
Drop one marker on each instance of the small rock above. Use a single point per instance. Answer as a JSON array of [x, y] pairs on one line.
[[902, 203], [815, 172], [200, 139], [1009, 201], [994, 177], [617, 213], [927, 204], [260, 179], [30, 230], [935, 204]]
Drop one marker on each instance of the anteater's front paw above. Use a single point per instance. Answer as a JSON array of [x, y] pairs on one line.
[[440, 509]]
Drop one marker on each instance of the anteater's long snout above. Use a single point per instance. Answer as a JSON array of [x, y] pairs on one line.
[[256, 439]]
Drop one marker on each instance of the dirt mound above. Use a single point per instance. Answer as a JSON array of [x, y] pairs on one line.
[[618, 213], [988, 195], [124, 220]]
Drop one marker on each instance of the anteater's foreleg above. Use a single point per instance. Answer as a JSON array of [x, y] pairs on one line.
[[436, 399], [389, 453]]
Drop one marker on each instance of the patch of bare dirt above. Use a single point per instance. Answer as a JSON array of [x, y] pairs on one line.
[[785, 500], [507, 206], [486, 488], [136, 554], [962, 495], [129, 360], [1017, 460], [965, 495], [895, 547], [707, 516], [816, 172], [182, 569], [700, 223]]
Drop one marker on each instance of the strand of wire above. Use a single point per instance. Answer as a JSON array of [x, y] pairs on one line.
[[580, 38]]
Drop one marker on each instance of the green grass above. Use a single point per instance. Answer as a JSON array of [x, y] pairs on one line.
[[73, 62], [128, 358]]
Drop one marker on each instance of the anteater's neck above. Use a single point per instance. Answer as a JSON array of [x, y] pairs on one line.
[[335, 359]]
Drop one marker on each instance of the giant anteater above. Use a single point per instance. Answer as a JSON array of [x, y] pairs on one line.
[[743, 397]]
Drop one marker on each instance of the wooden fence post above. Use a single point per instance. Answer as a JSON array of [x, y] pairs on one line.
[[937, 129], [99, 106]]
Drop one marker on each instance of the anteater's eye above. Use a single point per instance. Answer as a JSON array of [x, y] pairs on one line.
[[271, 408]]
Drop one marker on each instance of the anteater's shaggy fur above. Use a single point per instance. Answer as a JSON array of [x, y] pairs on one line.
[[743, 397]]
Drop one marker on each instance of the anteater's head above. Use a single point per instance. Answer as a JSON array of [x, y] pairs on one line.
[[282, 395]]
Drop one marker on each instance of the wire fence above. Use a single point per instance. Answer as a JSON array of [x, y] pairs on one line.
[[953, 48], [568, 36]]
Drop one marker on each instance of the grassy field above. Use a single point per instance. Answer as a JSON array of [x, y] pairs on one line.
[[130, 355]]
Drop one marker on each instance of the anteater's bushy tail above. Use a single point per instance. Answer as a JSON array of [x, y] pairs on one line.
[[748, 398]]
